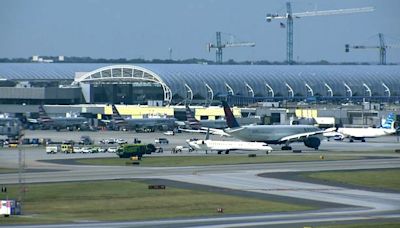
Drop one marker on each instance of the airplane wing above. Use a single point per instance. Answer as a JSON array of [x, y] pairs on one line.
[[106, 121], [34, 121], [204, 131], [297, 137], [193, 131], [216, 131]]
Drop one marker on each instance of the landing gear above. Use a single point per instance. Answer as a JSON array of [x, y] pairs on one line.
[[227, 152], [286, 148], [351, 140], [362, 140], [219, 152]]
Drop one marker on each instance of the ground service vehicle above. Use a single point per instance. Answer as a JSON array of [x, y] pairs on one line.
[[85, 140], [52, 149], [67, 148], [112, 149], [131, 150], [161, 141]]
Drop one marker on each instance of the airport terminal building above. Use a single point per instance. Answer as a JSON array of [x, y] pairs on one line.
[[65, 83]]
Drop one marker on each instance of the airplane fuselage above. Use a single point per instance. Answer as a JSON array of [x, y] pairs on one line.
[[168, 123], [361, 133], [227, 146], [270, 134], [65, 122]]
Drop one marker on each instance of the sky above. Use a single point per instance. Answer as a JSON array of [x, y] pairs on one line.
[[149, 28]]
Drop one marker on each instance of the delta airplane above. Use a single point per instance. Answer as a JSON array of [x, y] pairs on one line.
[[389, 127], [59, 123], [274, 134], [221, 146], [196, 126]]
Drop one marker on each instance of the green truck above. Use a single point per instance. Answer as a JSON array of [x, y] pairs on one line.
[[132, 150]]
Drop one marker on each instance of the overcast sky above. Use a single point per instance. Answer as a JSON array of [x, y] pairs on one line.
[[148, 28]]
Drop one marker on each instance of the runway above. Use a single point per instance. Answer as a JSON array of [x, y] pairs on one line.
[[359, 204]]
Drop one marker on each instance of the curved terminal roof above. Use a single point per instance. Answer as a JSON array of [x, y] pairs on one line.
[[44, 71], [207, 81]]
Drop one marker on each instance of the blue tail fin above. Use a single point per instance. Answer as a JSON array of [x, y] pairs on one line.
[[117, 118], [389, 122], [230, 118], [43, 117]]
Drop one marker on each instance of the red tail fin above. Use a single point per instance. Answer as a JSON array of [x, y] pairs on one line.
[[230, 118]]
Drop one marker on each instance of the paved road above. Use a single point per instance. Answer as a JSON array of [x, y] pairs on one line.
[[361, 204]]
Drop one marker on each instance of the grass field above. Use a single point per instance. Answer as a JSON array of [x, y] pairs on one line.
[[7, 170], [167, 161], [382, 179], [364, 225], [128, 200]]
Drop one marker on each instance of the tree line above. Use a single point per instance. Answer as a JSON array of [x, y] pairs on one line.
[[75, 59]]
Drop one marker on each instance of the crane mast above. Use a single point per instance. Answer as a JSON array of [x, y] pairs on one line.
[[289, 16], [382, 50], [289, 34], [382, 47], [219, 46]]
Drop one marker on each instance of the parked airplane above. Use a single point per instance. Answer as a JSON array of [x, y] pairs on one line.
[[274, 134], [201, 126], [388, 127], [58, 123], [226, 146], [160, 123]]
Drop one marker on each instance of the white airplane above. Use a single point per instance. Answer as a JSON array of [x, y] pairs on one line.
[[389, 127], [334, 134], [274, 134], [226, 146]]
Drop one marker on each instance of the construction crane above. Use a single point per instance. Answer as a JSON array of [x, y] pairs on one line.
[[219, 46], [381, 47], [289, 16]]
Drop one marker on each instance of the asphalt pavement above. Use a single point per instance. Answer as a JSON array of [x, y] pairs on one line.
[[359, 204]]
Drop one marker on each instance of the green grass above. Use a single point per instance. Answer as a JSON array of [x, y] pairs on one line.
[[168, 161], [367, 152], [382, 179], [8, 170], [129, 200], [365, 225]]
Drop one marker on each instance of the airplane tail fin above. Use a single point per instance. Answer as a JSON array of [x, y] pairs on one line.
[[230, 118], [193, 123], [389, 122], [43, 117], [117, 118]]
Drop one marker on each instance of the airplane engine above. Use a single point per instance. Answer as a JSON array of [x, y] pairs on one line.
[[312, 142]]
